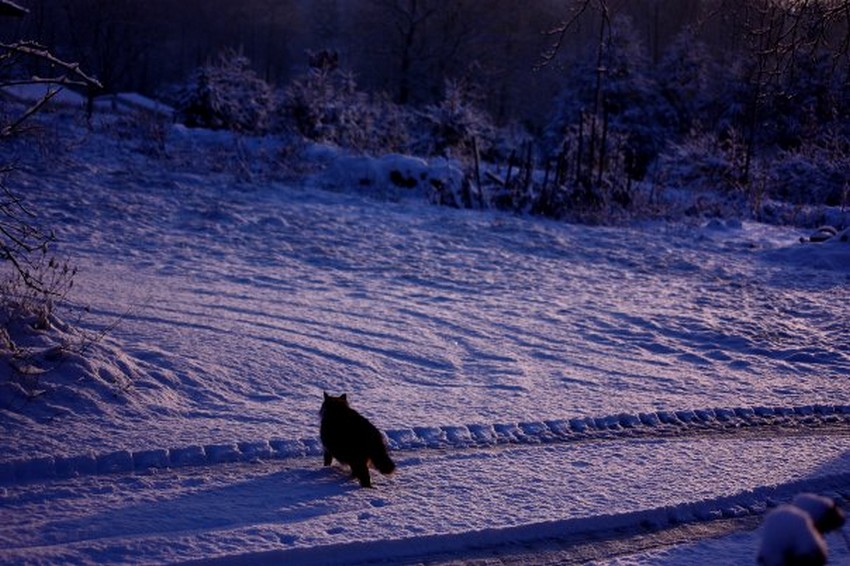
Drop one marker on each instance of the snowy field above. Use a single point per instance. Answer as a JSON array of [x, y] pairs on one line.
[[618, 395]]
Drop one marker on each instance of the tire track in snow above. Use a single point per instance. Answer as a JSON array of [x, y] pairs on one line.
[[767, 421]]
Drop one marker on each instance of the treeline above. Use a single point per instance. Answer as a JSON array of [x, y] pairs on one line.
[[403, 47], [749, 95], [406, 48]]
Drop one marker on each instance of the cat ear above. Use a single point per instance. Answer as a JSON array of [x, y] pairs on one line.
[[344, 397], [326, 395]]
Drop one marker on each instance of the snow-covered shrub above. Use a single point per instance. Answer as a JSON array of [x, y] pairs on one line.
[[800, 179], [704, 161], [34, 292], [392, 125], [455, 122], [319, 104], [32, 280], [815, 173], [325, 106], [227, 94], [811, 175]]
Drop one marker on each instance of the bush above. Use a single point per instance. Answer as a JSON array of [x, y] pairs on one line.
[[34, 292], [815, 174], [455, 123], [32, 281], [702, 161], [325, 106], [227, 94]]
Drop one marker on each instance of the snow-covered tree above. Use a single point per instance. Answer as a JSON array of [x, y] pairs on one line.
[[779, 41], [686, 78], [611, 93]]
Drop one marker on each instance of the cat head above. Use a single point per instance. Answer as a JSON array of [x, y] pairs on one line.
[[333, 402]]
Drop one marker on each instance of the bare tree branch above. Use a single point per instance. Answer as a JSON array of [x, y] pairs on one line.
[[38, 51], [560, 32], [19, 236]]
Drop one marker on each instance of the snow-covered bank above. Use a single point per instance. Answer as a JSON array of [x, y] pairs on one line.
[[247, 301]]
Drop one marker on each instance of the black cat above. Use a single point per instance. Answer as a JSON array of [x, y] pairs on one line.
[[350, 438]]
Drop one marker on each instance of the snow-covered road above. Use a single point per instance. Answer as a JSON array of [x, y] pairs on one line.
[[295, 511]]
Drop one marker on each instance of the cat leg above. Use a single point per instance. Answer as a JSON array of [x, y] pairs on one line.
[[361, 472], [328, 458]]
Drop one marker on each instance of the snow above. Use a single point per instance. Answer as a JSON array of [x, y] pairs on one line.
[[790, 537], [618, 395], [823, 511], [34, 92], [828, 255], [133, 102], [395, 176]]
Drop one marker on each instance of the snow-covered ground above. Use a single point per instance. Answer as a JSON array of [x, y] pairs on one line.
[[624, 395]]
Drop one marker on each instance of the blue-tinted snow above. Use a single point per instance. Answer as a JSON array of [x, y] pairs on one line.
[[235, 288]]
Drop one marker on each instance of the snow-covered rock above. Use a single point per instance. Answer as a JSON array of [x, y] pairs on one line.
[[825, 514], [790, 538], [793, 534]]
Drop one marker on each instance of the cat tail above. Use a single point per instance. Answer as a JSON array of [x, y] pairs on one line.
[[382, 461]]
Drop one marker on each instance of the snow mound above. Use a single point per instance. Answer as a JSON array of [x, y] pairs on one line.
[[393, 176], [30, 93], [75, 372], [832, 253], [790, 538], [662, 424], [793, 534]]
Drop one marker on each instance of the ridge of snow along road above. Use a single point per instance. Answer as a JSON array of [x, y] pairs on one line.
[[740, 510], [624, 425]]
